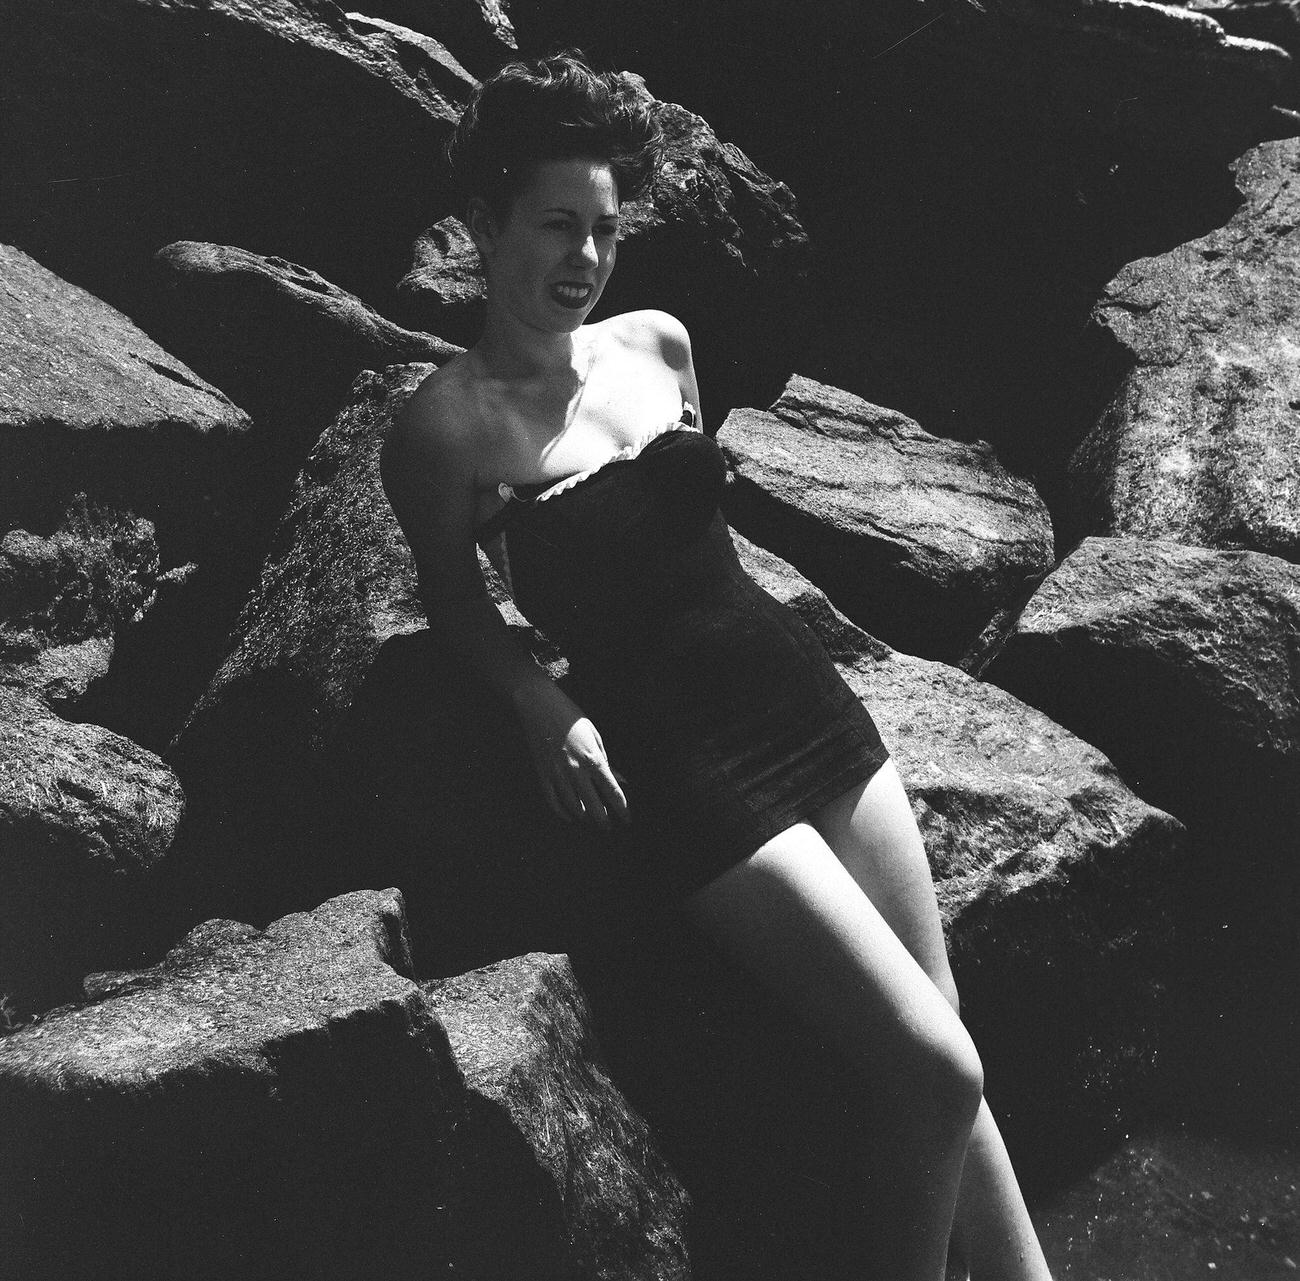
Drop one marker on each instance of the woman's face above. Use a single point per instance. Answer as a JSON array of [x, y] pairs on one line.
[[548, 260]]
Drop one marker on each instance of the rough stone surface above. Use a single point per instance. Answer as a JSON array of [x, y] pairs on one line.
[[89, 404], [337, 583], [445, 288], [918, 539], [478, 30], [85, 814], [1274, 21], [1201, 442], [64, 598], [1181, 663], [554, 1135], [260, 1104], [278, 125], [280, 340]]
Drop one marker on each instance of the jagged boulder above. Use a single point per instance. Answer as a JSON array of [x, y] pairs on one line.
[[259, 1104], [64, 598], [479, 31], [280, 126], [1274, 21], [86, 816], [918, 539], [286, 1102], [1069, 64], [1180, 663], [280, 340], [521, 1033], [90, 404], [1201, 442], [336, 585]]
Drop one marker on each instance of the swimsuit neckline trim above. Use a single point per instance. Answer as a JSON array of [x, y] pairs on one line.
[[684, 422]]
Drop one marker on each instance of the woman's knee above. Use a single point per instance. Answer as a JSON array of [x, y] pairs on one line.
[[946, 1066]]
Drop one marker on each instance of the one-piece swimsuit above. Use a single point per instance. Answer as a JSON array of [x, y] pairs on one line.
[[716, 703]]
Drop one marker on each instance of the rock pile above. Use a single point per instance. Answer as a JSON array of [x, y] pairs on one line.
[[1029, 347]]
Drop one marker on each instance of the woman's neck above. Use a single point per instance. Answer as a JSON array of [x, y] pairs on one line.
[[511, 350]]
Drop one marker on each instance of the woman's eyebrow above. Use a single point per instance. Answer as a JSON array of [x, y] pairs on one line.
[[573, 213]]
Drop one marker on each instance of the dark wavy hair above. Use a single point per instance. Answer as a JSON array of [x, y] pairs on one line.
[[557, 108]]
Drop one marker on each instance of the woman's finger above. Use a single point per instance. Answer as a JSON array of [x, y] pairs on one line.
[[591, 801], [612, 791]]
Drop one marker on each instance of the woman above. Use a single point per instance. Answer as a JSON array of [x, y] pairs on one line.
[[572, 452]]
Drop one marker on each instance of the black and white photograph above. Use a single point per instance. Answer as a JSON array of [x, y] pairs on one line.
[[653, 641]]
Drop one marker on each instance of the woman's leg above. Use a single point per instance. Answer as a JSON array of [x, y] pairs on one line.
[[872, 831], [793, 916]]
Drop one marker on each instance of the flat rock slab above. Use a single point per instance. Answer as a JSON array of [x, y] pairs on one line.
[[260, 1104], [90, 404], [1201, 442], [521, 1033], [1180, 663], [85, 816], [918, 539]]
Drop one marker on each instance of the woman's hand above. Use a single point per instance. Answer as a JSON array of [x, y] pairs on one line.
[[567, 752]]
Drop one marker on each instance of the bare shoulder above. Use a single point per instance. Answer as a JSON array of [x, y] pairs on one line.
[[655, 332], [436, 429]]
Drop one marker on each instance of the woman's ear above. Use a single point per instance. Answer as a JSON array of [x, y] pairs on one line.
[[482, 224]]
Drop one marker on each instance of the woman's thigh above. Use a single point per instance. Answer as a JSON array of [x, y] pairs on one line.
[[873, 833], [794, 917]]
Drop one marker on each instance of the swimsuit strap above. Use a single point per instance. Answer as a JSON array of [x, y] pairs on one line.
[[517, 496]]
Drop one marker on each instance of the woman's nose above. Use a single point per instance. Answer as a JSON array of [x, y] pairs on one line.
[[584, 251]]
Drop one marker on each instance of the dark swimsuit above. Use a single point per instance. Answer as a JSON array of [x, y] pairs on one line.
[[715, 702]]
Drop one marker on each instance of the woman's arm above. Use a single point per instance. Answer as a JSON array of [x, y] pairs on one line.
[[428, 470]]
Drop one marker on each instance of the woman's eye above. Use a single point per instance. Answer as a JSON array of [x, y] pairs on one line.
[[609, 231]]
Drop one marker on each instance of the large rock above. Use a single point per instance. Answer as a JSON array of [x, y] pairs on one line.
[[257, 1105], [290, 1097], [336, 585], [479, 31], [522, 1035], [90, 404], [280, 340], [277, 125], [1066, 67], [716, 242], [1275, 21], [86, 816], [1180, 663], [1201, 442], [918, 539]]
